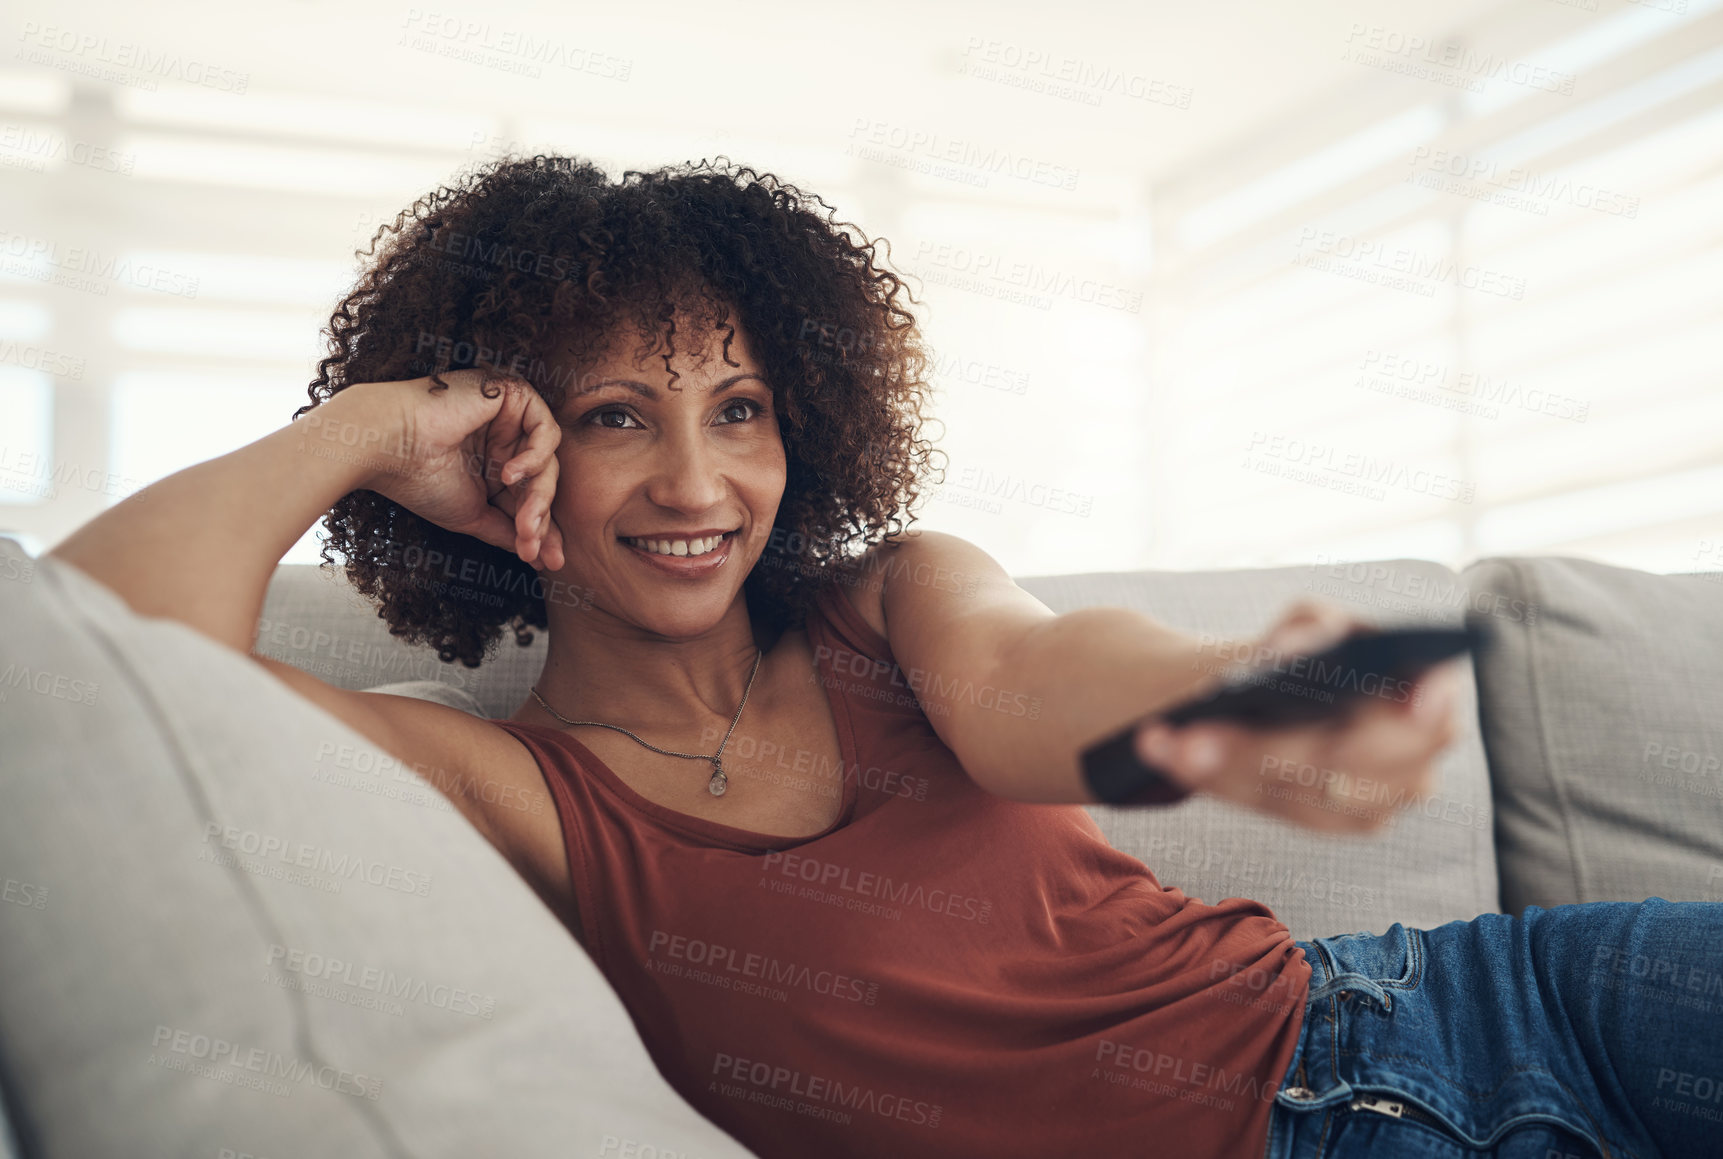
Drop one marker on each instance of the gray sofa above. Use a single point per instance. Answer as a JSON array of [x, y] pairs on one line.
[[209, 883]]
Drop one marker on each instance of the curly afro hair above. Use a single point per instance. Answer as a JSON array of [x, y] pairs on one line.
[[521, 260]]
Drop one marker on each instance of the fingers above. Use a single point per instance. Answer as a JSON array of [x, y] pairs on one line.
[[1191, 755], [543, 435], [494, 528], [1347, 776], [1309, 626], [526, 426], [538, 465]]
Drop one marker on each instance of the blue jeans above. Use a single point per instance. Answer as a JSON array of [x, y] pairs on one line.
[[1583, 1030]]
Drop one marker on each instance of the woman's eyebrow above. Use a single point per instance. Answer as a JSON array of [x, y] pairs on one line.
[[645, 391]]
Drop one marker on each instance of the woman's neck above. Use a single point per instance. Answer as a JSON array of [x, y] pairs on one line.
[[600, 669]]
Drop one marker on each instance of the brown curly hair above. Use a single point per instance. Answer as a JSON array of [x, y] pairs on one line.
[[522, 259]]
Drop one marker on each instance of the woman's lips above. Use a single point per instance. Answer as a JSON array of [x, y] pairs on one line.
[[687, 566]]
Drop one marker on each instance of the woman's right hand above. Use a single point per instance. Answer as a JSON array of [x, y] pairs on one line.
[[1345, 774], [484, 467]]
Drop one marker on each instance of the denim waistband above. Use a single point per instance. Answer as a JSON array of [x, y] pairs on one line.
[[1353, 967]]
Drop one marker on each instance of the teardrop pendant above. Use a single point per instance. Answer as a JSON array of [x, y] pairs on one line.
[[719, 781]]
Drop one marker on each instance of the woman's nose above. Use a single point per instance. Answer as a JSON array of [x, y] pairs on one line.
[[685, 475]]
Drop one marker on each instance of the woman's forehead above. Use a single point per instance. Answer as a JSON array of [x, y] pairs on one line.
[[701, 355]]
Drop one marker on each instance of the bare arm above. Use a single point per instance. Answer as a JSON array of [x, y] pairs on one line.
[[1017, 692], [1013, 689], [201, 545]]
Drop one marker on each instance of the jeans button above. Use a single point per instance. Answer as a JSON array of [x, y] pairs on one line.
[[1300, 1093]]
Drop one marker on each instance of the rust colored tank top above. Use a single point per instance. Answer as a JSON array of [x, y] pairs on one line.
[[942, 972]]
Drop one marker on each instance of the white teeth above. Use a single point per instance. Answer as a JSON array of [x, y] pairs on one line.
[[678, 546]]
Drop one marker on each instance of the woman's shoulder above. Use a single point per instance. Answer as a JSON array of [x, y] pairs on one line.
[[849, 608]]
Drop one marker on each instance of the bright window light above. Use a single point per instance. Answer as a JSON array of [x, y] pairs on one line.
[[27, 441], [1310, 175], [345, 173], [212, 332], [309, 115]]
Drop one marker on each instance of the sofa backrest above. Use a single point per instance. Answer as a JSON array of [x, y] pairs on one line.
[[1430, 866], [1603, 720]]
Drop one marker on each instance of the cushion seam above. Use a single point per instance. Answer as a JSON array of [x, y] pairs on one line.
[[1564, 808]]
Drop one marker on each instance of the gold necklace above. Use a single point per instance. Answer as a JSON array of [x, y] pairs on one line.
[[718, 782]]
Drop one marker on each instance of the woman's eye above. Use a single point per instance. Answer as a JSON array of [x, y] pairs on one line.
[[598, 417], [598, 414], [754, 408]]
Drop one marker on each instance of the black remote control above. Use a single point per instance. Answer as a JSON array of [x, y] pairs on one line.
[[1370, 662]]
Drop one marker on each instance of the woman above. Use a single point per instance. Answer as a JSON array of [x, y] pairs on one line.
[[815, 803]]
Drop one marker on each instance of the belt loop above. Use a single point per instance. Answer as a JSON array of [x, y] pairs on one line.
[[1357, 983]]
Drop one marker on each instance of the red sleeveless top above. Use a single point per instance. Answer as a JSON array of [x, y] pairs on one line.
[[942, 972]]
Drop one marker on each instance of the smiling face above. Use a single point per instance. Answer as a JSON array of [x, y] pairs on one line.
[[646, 469]]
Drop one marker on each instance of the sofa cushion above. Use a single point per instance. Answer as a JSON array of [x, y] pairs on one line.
[[212, 944], [1603, 720], [314, 619], [1430, 865], [434, 690]]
